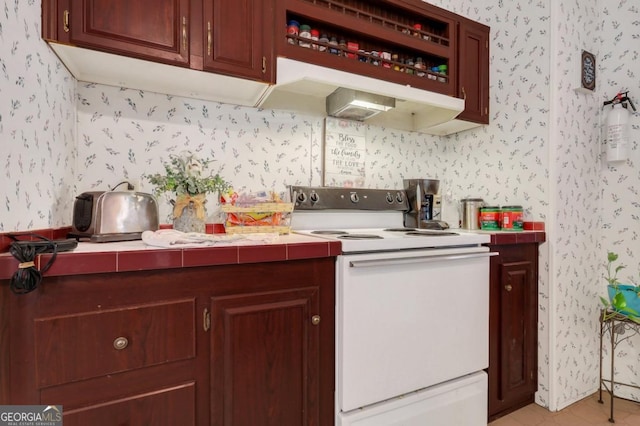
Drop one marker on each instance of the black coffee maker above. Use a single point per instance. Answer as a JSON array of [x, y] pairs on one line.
[[424, 204]]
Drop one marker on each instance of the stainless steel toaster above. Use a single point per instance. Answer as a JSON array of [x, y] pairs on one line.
[[104, 216]]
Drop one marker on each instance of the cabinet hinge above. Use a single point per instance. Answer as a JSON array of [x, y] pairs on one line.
[[486, 110], [206, 319], [264, 65], [65, 21]]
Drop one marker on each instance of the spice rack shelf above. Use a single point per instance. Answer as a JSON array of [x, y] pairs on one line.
[[382, 39], [367, 11]]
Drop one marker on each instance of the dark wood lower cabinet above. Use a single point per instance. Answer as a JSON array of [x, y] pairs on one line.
[[225, 345], [513, 325], [264, 355]]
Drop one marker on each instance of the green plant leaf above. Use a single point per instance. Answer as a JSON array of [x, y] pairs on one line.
[[605, 301], [619, 302], [611, 257]]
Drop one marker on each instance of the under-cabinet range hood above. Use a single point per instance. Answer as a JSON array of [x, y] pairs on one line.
[[300, 87], [308, 88]]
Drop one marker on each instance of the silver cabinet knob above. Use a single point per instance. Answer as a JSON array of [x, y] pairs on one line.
[[315, 320], [508, 287], [120, 343]]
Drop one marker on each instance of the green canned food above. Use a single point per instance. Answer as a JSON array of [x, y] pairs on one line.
[[490, 217], [512, 218]]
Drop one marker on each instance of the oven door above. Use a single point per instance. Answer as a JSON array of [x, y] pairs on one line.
[[408, 320]]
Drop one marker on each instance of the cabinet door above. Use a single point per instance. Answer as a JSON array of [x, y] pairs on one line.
[[235, 37], [513, 328], [473, 71], [265, 358], [148, 29]]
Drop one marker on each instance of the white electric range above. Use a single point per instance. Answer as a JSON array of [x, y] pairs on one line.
[[412, 311]]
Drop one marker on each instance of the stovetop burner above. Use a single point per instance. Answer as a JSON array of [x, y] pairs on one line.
[[399, 229], [360, 237], [427, 233], [329, 232]]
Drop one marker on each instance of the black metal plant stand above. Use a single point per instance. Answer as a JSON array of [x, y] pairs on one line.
[[620, 328]]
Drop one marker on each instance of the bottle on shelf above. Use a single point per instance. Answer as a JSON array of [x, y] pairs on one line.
[[293, 29], [334, 42], [315, 36], [323, 39], [417, 30], [394, 58], [410, 66], [386, 57], [342, 44], [420, 67], [352, 48], [442, 71], [375, 58], [305, 32]]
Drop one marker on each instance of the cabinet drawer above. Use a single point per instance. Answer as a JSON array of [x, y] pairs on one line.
[[170, 407], [92, 344]]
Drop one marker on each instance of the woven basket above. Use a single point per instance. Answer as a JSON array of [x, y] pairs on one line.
[[258, 218]]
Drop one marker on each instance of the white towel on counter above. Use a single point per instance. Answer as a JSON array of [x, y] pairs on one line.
[[170, 238]]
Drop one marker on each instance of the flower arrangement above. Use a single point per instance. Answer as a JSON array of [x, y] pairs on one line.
[[185, 176], [623, 298]]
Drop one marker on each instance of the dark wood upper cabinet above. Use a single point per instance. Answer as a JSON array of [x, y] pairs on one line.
[[151, 29], [226, 37], [473, 74], [407, 42], [236, 37]]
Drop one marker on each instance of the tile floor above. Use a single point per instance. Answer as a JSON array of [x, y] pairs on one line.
[[587, 412]]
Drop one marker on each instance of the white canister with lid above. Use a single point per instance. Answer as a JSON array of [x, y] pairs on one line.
[[470, 213]]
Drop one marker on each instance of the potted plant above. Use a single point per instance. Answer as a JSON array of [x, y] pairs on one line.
[[623, 298], [185, 176]]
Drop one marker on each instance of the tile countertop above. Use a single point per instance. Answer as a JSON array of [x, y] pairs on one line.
[[126, 256], [514, 237]]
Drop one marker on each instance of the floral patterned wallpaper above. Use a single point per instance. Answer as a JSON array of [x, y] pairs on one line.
[[37, 124], [574, 194], [617, 31], [541, 150]]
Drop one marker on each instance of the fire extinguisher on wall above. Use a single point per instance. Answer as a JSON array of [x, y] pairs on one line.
[[617, 127]]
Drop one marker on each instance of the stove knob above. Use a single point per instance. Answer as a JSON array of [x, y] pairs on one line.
[[314, 197], [354, 197], [400, 197], [301, 197], [389, 198]]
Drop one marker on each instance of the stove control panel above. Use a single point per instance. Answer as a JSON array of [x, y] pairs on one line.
[[323, 198]]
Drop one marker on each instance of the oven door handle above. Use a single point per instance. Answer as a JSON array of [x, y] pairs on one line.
[[417, 259]]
